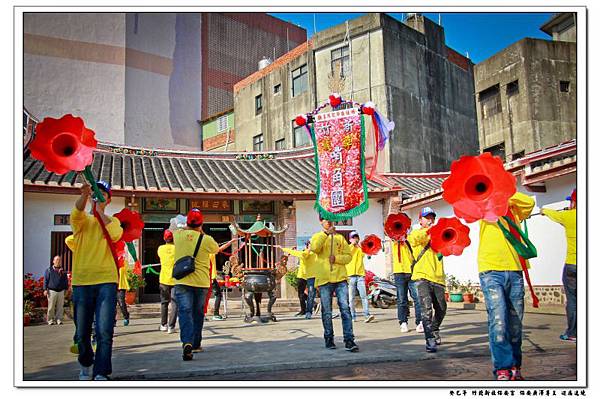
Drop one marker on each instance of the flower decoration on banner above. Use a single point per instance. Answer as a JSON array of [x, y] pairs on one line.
[[371, 244], [335, 100], [64, 144], [396, 225], [449, 236], [132, 224], [301, 120], [479, 188]]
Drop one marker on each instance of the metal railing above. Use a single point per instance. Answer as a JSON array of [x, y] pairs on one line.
[[29, 122]]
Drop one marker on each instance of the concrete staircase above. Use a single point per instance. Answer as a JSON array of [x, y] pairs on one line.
[[234, 306]]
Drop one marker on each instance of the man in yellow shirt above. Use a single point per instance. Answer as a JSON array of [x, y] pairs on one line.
[[568, 219], [356, 277], [429, 280], [306, 278], [191, 290], [94, 282], [166, 254], [501, 277], [122, 289], [402, 259], [333, 253]]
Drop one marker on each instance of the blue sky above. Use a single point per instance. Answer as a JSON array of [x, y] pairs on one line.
[[480, 34]]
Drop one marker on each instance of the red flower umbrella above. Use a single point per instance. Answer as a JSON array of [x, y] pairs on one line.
[[63, 144], [132, 224], [479, 188], [396, 225], [449, 236], [371, 244]]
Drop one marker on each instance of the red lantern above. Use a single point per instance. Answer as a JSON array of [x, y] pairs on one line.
[[300, 120], [371, 244], [63, 144], [335, 100], [396, 225], [132, 224], [449, 236], [479, 188]]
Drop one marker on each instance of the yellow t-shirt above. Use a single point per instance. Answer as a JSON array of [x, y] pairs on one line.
[[93, 262], [123, 281], [429, 267], [166, 253], [356, 266], [185, 243], [401, 265], [308, 259], [213, 266], [320, 244], [495, 252], [568, 219]]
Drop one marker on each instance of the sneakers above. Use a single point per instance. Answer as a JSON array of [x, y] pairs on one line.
[[329, 344], [187, 352], [126, 322], [503, 375], [198, 350], [515, 373], [404, 327], [217, 317], [370, 318], [85, 373], [300, 314], [565, 337], [420, 328], [171, 330], [59, 322], [335, 315], [436, 336], [308, 316], [351, 346], [50, 322], [100, 378], [162, 328], [430, 345]]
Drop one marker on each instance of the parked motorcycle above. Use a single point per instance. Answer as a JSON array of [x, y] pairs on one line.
[[382, 293]]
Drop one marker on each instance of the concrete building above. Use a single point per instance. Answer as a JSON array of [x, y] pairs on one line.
[[527, 93], [218, 131], [425, 87], [562, 27], [145, 79]]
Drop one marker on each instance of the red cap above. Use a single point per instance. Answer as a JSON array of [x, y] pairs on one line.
[[195, 218], [168, 235]]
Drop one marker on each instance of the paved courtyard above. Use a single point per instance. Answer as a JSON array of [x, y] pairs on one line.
[[237, 350]]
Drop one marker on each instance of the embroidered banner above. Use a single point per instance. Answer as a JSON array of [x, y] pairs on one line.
[[339, 141]]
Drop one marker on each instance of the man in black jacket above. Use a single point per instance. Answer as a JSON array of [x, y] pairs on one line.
[[55, 284]]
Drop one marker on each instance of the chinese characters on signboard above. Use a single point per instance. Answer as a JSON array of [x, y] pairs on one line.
[[212, 205]]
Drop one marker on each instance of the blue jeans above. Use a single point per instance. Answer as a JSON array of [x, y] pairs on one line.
[[97, 301], [341, 292], [310, 302], [404, 285], [504, 300], [190, 303], [357, 283], [569, 279]]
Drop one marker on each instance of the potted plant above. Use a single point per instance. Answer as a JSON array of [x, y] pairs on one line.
[[27, 312], [136, 281], [453, 287], [468, 290]]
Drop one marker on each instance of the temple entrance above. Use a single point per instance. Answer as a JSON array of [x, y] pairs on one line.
[[221, 233], [152, 238]]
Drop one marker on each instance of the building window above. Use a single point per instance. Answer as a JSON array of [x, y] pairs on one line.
[[340, 61], [512, 88], [257, 142], [280, 144], [490, 101], [565, 86], [299, 80], [518, 155], [258, 104], [222, 124], [497, 151], [277, 88], [301, 138]]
